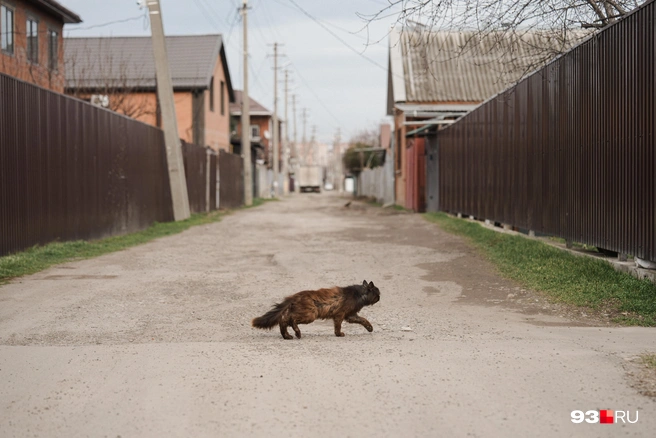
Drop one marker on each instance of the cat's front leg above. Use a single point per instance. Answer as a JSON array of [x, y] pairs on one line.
[[357, 319], [338, 326]]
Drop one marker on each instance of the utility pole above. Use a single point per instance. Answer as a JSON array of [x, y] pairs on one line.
[[313, 149], [276, 133], [285, 147], [295, 151], [295, 161], [177, 180], [246, 119], [305, 149], [338, 160]]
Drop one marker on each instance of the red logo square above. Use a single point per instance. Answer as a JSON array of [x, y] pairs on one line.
[[606, 416]]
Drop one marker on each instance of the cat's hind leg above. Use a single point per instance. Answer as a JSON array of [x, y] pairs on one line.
[[283, 330], [357, 319], [297, 331]]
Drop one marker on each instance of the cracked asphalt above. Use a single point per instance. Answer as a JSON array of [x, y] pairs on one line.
[[156, 340]]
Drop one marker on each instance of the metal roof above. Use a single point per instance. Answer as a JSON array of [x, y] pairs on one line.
[[458, 66], [56, 9], [128, 61], [255, 108], [439, 107]]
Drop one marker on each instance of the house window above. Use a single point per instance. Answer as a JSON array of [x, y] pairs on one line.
[[7, 29], [255, 131], [32, 32], [53, 49], [222, 98], [212, 94]]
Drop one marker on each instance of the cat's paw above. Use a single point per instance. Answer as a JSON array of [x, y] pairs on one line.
[[287, 336], [369, 328], [340, 335]]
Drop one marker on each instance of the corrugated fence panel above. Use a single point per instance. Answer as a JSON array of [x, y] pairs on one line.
[[569, 151], [195, 161], [69, 170], [231, 181], [213, 179]]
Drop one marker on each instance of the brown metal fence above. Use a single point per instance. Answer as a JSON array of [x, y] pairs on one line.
[[213, 181], [569, 151], [196, 167], [231, 181], [69, 170]]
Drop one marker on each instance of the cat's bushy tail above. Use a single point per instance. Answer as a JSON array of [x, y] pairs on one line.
[[271, 318]]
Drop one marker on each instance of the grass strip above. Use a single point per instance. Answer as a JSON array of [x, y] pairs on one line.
[[40, 257], [564, 277], [649, 361]]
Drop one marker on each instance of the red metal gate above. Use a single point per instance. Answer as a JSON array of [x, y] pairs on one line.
[[415, 184]]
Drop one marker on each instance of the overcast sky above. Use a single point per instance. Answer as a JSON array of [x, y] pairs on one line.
[[336, 75]]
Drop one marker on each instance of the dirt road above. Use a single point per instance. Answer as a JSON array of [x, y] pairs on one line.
[[156, 340]]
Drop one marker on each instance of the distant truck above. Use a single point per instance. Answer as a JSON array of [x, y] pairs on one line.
[[310, 178]]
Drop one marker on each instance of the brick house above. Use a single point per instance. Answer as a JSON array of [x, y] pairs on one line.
[[261, 121], [31, 41], [119, 73]]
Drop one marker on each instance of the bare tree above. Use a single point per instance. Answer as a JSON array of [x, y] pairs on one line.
[[366, 138], [363, 151], [526, 32], [508, 14], [94, 68]]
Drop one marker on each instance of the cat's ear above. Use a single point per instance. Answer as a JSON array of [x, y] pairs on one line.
[[364, 283], [371, 284]]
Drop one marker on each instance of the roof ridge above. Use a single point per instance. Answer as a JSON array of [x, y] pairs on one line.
[[92, 60], [140, 36]]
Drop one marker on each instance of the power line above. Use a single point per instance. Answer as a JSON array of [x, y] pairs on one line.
[[315, 94], [109, 23], [277, 37], [207, 14], [232, 25], [362, 55], [305, 82], [215, 14], [355, 34], [263, 89]]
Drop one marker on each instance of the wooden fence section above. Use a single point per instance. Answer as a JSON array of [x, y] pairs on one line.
[[69, 170], [569, 151]]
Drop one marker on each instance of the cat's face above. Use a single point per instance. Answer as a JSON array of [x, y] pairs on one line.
[[371, 292]]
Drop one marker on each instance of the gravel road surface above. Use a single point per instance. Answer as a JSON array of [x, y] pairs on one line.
[[156, 340]]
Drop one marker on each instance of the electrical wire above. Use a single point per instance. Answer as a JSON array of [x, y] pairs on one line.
[[355, 34], [207, 14], [321, 102], [232, 26], [360, 54], [124, 20]]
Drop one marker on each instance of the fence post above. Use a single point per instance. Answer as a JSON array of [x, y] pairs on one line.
[[208, 172], [218, 180]]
